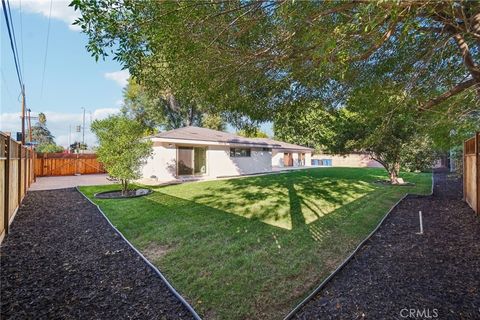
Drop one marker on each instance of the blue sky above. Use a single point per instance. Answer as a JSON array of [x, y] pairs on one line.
[[72, 78]]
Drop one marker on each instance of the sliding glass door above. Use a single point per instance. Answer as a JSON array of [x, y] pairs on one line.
[[191, 161], [199, 161], [185, 161]]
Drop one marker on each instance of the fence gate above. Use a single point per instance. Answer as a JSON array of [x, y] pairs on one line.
[[471, 172], [61, 164]]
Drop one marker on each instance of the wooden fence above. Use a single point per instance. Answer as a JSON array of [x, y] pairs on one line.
[[61, 164], [16, 176], [471, 172]]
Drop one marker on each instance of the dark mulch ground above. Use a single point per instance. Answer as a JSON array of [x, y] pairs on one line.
[[62, 260], [399, 269]]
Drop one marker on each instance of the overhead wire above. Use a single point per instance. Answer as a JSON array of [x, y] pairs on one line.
[[13, 45], [21, 36]]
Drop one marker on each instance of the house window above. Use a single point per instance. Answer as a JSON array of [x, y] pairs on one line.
[[240, 152], [267, 149]]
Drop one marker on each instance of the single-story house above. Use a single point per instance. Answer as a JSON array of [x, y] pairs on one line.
[[200, 152]]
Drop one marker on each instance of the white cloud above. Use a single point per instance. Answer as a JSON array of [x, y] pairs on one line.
[[119, 103], [59, 124], [120, 77], [60, 10]]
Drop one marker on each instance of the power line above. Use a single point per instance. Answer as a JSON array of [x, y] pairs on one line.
[[21, 36], [12, 44], [14, 37], [46, 49]]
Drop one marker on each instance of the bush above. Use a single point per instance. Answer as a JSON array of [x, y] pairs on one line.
[[418, 155]]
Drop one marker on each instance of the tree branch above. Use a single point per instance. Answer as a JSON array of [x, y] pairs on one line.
[[450, 93], [376, 46], [467, 56]]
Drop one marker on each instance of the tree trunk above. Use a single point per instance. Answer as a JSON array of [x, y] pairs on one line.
[[393, 171], [124, 186]]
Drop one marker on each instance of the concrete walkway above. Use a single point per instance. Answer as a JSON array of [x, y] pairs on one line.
[[61, 182]]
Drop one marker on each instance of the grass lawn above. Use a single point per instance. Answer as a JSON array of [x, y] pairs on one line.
[[251, 248]]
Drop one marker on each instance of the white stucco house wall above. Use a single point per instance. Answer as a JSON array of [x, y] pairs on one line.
[[193, 152]]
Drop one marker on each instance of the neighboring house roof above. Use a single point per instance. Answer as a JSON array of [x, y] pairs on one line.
[[284, 145], [204, 134]]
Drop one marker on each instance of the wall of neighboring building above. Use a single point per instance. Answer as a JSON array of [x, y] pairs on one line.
[[350, 160], [221, 164], [162, 164]]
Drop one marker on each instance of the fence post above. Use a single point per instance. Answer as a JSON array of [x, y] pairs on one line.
[[25, 169], [34, 163], [7, 182], [19, 174]]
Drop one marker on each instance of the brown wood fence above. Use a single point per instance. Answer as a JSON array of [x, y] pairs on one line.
[[16, 176], [471, 172], [62, 164]]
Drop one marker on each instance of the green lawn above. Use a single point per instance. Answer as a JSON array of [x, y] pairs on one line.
[[254, 247]]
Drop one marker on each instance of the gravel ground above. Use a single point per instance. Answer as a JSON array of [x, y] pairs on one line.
[[399, 274], [63, 260]]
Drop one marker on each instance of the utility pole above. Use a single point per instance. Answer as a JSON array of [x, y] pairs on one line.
[[69, 137], [23, 114], [29, 126]]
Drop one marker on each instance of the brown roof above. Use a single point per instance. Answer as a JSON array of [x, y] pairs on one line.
[[204, 134]]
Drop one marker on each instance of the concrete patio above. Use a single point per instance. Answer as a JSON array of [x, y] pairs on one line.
[[61, 182]]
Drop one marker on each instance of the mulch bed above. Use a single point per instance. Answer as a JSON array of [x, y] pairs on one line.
[[63, 260], [436, 274]]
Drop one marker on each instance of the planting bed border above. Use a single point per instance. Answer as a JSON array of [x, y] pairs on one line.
[[96, 195], [172, 289], [344, 263]]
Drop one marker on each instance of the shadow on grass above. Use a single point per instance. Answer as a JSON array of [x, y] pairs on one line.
[[231, 264], [288, 201]]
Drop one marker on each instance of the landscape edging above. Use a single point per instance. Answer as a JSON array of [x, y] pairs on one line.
[[155, 269], [344, 263]]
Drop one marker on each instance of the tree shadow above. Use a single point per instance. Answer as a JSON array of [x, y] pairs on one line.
[[286, 200]]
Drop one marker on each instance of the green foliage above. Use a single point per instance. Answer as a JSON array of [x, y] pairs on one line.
[[122, 148], [252, 57], [306, 123], [213, 121], [298, 62], [43, 137], [77, 145], [164, 110], [49, 148], [418, 154], [252, 132], [456, 154], [139, 105], [376, 120]]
